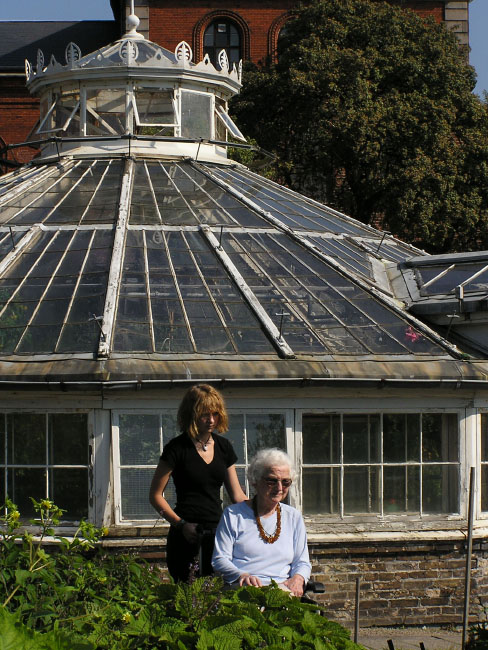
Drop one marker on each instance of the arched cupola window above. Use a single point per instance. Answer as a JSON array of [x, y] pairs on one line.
[[223, 34]]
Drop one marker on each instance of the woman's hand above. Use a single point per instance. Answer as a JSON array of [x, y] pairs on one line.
[[190, 533], [247, 579], [295, 584]]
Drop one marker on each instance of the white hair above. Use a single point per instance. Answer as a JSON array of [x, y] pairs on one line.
[[264, 460]]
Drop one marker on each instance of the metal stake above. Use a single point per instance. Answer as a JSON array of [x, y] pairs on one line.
[[467, 576], [356, 611]]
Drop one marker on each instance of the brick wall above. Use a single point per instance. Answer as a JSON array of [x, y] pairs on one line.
[[404, 583], [401, 584], [19, 112], [172, 22]]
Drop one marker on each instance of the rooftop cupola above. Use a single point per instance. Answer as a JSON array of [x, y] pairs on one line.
[[134, 97]]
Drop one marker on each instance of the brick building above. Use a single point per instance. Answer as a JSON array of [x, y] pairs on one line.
[[248, 29]]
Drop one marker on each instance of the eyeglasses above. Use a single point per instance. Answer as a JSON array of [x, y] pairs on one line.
[[285, 482]]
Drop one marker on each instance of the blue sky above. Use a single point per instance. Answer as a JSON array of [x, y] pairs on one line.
[[100, 10]]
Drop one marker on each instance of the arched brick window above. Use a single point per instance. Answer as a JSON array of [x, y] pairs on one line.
[[221, 30], [222, 35], [276, 31]]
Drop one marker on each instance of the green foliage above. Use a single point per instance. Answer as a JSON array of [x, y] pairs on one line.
[[478, 637], [370, 108], [77, 598]]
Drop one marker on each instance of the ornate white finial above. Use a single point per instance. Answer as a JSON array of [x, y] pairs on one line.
[[72, 54], [131, 25], [223, 60], [40, 60], [183, 52]]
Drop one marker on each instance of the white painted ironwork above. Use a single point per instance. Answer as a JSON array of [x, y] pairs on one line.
[[183, 52], [223, 60], [116, 263], [279, 343], [128, 51], [40, 60], [72, 54]]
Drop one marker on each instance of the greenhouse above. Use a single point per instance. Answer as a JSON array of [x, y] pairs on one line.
[[137, 259]]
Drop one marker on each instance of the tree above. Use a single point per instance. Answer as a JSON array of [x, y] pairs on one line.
[[370, 109]]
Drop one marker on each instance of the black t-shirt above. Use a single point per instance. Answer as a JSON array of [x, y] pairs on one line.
[[197, 483]]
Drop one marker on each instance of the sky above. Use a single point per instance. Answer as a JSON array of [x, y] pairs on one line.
[[100, 10]]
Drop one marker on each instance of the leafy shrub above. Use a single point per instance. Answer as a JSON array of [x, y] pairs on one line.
[[478, 637], [79, 598]]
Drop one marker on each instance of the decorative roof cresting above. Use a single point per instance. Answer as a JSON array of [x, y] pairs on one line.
[[131, 50]]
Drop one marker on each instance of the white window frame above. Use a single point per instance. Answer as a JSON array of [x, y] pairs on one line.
[[172, 410], [66, 524], [386, 516]]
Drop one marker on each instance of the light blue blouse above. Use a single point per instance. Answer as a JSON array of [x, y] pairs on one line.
[[239, 549]]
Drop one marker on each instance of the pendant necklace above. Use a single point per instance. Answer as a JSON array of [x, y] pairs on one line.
[[268, 539], [204, 444]]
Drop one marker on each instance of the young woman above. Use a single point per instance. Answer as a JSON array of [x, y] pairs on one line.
[[200, 462]]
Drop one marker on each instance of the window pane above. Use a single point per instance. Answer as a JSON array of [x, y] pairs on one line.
[[170, 427], [321, 490], [361, 438], [135, 489], [27, 444], [68, 439], [69, 491], [321, 439], [22, 485], [484, 487], [439, 437], [401, 489], [236, 436], [195, 115], [2, 443], [484, 437], [139, 439], [440, 489], [361, 490], [265, 431]]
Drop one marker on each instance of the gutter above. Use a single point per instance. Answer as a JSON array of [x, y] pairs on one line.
[[301, 382]]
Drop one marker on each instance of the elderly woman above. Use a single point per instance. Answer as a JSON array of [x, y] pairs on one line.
[[200, 462], [262, 539]]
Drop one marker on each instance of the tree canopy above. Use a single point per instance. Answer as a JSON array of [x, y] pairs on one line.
[[370, 109]]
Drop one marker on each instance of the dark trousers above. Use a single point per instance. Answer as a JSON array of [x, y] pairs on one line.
[[182, 557]]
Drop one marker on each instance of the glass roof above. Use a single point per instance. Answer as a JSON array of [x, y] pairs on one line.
[[290, 208], [180, 258]]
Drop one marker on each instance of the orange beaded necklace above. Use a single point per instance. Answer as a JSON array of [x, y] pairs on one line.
[[268, 539]]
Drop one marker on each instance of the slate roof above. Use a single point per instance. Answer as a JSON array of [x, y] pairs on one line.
[[20, 40]]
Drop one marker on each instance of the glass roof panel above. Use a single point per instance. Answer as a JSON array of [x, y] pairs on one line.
[[49, 287], [187, 304], [345, 252], [87, 193], [394, 252], [292, 209], [443, 279], [299, 302], [177, 194]]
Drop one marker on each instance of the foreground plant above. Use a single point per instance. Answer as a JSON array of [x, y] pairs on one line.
[[78, 598]]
